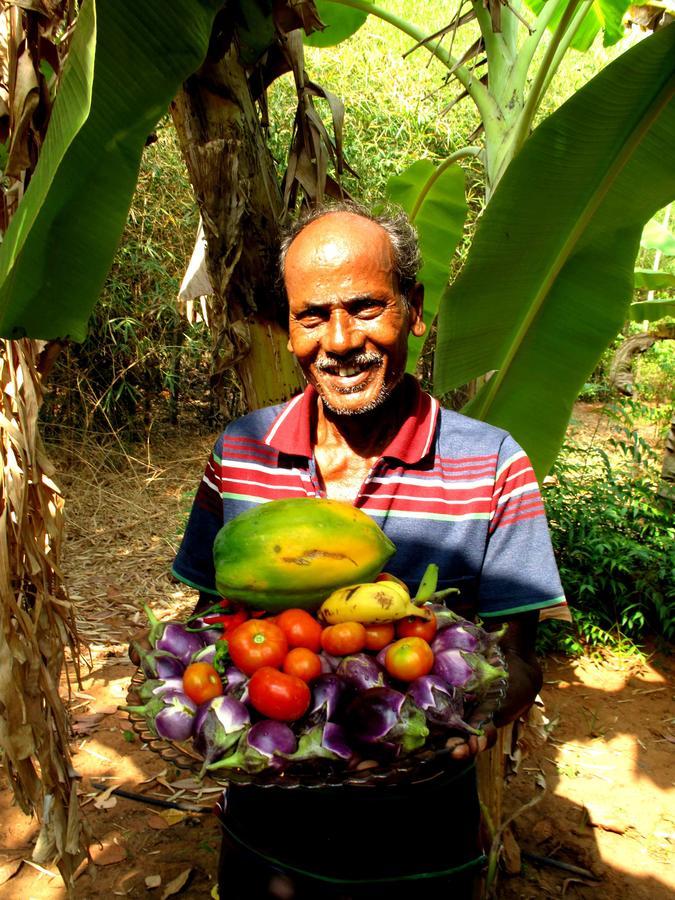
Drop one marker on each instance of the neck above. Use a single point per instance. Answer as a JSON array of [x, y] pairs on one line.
[[367, 435]]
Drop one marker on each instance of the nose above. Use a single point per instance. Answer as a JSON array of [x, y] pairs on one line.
[[342, 334]]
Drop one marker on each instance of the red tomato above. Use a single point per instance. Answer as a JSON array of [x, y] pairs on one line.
[[201, 682], [413, 626], [301, 629], [304, 663], [378, 636], [409, 658], [277, 695], [343, 639], [257, 643]]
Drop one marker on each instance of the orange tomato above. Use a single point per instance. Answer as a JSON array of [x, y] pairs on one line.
[[344, 638], [303, 663], [201, 682], [378, 636], [409, 658]]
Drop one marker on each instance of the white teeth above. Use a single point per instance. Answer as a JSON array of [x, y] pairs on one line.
[[347, 373]]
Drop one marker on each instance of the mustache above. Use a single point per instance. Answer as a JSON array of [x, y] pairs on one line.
[[356, 360]]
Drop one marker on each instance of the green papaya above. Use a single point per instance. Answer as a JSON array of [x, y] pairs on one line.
[[294, 553]]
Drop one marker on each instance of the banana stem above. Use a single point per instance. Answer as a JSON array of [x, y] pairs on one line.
[[428, 584], [439, 595]]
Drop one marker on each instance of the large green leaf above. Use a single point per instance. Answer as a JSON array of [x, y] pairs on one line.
[[648, 280], [433, 197], [550, 273], [341, 23], [125, 64], [603, 14], [651, 310]]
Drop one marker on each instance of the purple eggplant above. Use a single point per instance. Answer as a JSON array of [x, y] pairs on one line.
[[235, 683], [329, 663], [470, 672], [173, 638], [206, 631], [444, 616], [169, 715], [159, 663], [361, 672], [382, 654], [385, 717], [328, 693], [323, 741], [264, 745], [218, 725], [206, 654], [465, 635], [152, 687], [442, 704]]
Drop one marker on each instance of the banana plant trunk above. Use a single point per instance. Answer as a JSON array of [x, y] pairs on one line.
[[234, 180], [37, 620]]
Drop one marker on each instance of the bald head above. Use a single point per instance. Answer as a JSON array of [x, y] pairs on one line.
[[340, 240], [406, 261]]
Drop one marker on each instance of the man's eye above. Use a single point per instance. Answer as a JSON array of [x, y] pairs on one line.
[[368, 310]]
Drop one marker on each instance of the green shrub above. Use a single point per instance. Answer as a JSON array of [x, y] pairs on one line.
[[655, 373], [614, 540]]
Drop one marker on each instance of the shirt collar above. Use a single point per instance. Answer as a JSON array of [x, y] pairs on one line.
[[291, 431]]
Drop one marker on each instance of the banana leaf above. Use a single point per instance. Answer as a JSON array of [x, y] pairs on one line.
[[549, 276], [651, 310], [433, 197], [649, 280], [341, 23], [602, 14], [126, 61]]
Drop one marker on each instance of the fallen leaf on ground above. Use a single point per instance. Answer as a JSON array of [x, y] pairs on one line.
[[105, 802], [153, 881], [9, 869], [87, 723], [154, 820], [177, 884], [107, 852]]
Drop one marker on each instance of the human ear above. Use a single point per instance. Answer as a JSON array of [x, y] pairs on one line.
[[416, 307]]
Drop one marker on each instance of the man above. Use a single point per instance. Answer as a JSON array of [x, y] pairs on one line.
[[445, 489]]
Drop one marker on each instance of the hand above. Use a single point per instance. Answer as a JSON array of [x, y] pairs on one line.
[[470, 746], [139, 639]]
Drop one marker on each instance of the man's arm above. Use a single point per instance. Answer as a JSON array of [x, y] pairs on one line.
[[525, 679]]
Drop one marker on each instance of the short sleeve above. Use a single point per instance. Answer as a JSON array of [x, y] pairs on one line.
[[194, 561], [519, 571]]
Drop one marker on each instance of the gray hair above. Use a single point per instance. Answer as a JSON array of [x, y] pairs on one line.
[[400, 231]]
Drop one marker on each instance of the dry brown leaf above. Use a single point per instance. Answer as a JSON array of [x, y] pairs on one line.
[[85, 724], [107, 852], [176, 885], [153, 881], [155, 821], [9, 869]]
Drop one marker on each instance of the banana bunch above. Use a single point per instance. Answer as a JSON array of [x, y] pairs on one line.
[[373, 603]]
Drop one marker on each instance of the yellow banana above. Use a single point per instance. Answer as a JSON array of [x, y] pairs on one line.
[[371, 604]]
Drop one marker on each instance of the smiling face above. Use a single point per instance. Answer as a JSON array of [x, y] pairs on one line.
[[348, 322]]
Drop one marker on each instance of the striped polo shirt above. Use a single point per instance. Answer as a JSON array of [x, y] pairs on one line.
[[448, 489]]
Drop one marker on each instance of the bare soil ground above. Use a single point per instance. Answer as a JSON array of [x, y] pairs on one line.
[[608, 803]]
